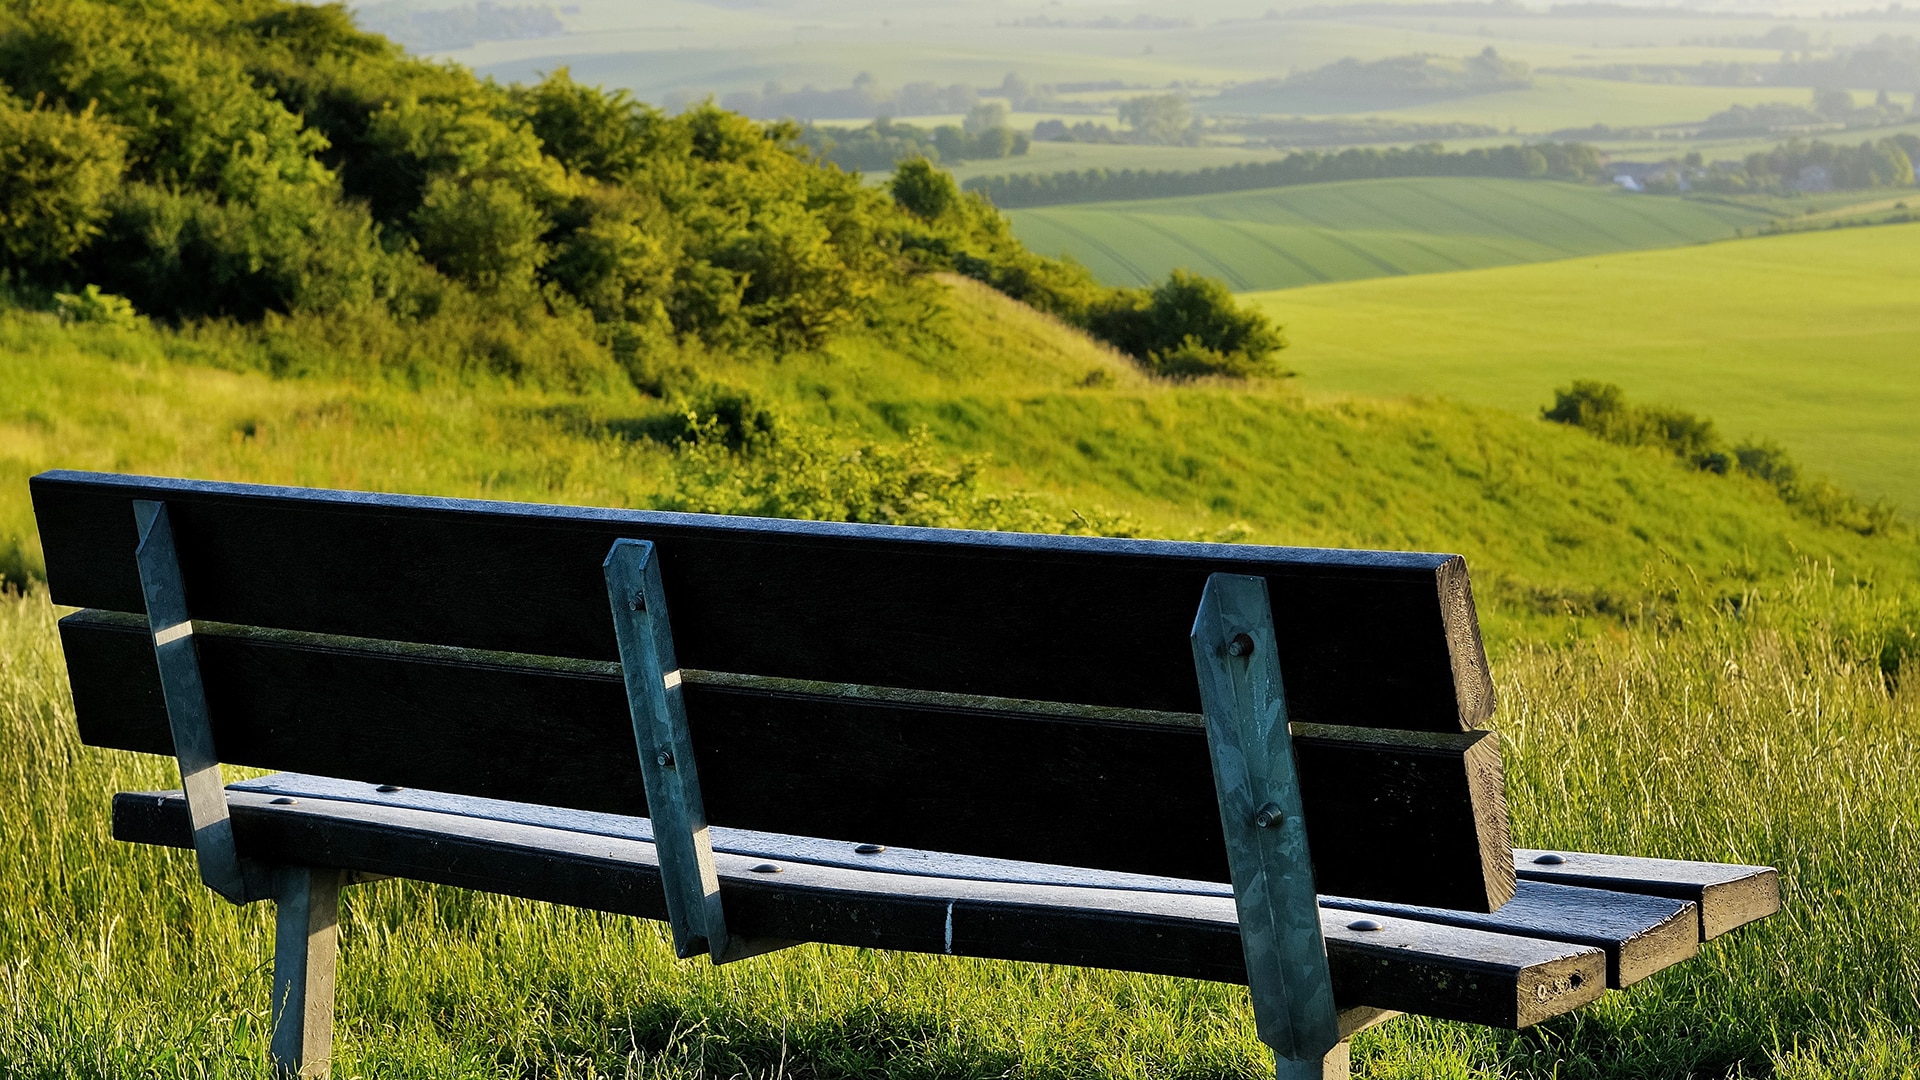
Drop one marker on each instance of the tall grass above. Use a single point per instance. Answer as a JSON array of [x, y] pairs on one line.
[[1767, 733]]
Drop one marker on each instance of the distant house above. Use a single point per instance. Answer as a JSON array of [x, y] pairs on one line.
[[1659, 176]]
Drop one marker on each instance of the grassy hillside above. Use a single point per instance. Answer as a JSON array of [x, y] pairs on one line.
[[1738, 703], [1551, 519], [1808, 339], [1284, 237]]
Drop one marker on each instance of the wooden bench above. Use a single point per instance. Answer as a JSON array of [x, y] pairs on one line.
[[1054, 749]]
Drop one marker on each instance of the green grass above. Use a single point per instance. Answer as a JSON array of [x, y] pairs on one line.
[[1808, 339], [1685, 666], [1760, 739], [1282, 237]]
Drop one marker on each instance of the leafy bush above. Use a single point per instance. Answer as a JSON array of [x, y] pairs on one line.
[[1189, 325], [90, 305], [806, 474], [57, 170], [1602, 409]]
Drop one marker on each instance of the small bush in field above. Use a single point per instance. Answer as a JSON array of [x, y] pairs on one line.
[[1602, 409]]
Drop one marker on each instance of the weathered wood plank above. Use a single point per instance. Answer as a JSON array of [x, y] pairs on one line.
[[1263, 819], [990, 783], [1727, 895], [1436, 970], [1640, 934], [1383, 639]]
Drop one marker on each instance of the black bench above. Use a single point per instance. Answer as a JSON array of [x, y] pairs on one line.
[[981, 744]]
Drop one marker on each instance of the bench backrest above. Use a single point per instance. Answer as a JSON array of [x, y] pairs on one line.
[[1007, 695]]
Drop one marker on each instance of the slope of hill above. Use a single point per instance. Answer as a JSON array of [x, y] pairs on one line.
[[1284, 237], [1028, 425], [1807, 338]]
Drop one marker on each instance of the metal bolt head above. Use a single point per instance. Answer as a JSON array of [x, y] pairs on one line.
[[1241, 645], [1551, 859], [869, 849], [388, 789], [283, 801], [764, 868], [1268, 816], [1365, 924], [665, 759]]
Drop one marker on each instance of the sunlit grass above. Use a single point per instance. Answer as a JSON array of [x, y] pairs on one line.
[[1765, 737], [1686, 669]]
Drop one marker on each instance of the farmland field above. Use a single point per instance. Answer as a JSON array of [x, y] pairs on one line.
[[1282, 237], [1809, 339]]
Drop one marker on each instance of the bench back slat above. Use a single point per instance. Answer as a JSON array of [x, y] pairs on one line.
[[1396, 816], [1372, 639]]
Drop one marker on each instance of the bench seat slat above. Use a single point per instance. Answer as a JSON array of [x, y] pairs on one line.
[[1114, 795], [1375, 639], [1452, 972], [1641, 934], [1728, 895]]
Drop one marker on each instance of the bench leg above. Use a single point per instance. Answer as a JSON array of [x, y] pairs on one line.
[[1337, 1065], [306, 940]]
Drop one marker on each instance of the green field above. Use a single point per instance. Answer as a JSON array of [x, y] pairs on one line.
[[1282, 237], [1810, 339]]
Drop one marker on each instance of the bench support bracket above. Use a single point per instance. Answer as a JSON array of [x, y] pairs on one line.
[[1245, 707], [679, 816], [221, 867]]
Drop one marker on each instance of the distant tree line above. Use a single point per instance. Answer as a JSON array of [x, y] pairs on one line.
[[1556, 161], [1798, 165], [878, 146], [1886, 63]]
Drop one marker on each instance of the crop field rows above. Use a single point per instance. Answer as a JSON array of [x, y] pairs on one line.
[[1284, 237]]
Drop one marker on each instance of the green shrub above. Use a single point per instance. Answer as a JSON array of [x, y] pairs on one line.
[[57, 171], [1602, 409], [1188, 325], [90, 305]]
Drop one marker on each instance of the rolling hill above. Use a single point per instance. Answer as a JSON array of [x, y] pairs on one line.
[[1724, 675], [1809, 339], [1284, 237]]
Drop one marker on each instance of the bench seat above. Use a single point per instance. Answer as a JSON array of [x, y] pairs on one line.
[[1553, 948]]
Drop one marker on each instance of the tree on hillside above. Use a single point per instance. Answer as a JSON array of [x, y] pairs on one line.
[[1157, 118], [208, 159]]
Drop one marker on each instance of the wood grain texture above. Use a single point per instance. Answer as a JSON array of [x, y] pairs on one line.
[[1114, 796], [1377, 639], [1640, 934], [1451, 972], [1264, 822], [1727, 895]]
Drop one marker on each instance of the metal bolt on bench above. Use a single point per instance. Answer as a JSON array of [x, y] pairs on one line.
[[847, 734]]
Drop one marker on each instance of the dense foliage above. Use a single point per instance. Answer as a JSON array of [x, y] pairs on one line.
[[1602, 408], [1553, 161], [265, 161], [1800, 165]]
